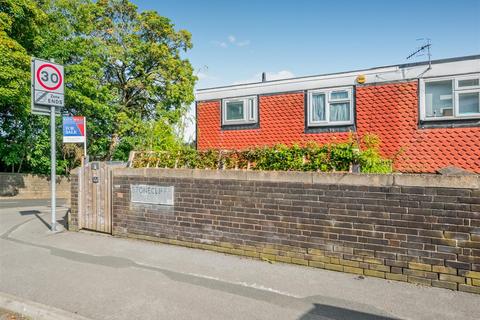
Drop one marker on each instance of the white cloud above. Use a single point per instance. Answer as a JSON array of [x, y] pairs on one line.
[[231, 40], [205, 76], [282, 74], [243, 43], [221, 44]]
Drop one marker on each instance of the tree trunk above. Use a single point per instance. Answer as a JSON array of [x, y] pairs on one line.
[[20, 165], [112, 147]]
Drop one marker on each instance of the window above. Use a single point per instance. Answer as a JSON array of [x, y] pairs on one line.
[[240, 111], [450, 98], [330, 107]]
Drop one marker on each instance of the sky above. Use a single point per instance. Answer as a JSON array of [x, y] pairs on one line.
[[235, 41]]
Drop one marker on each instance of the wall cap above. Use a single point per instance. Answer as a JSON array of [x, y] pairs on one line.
[[360, 179]]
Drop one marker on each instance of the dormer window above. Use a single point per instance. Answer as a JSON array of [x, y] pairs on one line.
[[237, 111], [450, 98], [330, 107]]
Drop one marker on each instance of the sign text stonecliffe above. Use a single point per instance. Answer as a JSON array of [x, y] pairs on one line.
[[143, 193]]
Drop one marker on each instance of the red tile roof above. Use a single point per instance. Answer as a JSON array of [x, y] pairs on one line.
[[389, 110], [281, 121]]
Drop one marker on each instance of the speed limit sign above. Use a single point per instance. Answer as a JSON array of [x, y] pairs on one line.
[[47, 98], [48, 83]]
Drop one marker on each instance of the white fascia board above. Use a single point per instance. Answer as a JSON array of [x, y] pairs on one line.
[[378, 75]]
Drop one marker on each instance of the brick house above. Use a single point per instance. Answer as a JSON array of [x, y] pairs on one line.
[[426, 116]]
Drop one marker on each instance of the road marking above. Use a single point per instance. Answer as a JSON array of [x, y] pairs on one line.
[[245, 284]]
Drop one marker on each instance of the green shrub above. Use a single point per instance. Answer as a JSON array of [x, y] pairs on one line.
[[310, 157], [370, 159]]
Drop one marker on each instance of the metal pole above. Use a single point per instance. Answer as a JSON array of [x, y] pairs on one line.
[[53, 165], [80, 193], [85, 142]]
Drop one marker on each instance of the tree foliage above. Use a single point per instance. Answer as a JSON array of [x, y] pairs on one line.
[[124, 71]]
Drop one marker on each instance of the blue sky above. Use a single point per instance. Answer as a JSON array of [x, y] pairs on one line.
[[234, 41]]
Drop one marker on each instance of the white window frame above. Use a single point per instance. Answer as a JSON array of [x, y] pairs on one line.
[[250, 110], [457, 103], [456, 91], [474, 77], [328, 99]]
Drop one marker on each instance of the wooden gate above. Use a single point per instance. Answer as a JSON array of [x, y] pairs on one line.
[[95, 194]]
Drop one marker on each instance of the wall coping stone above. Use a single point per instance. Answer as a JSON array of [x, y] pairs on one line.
[[336, 178], [36, 175]]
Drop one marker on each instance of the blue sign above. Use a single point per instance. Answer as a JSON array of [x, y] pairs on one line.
[[74, 129]]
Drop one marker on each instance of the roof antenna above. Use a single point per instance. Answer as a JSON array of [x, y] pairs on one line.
[[199, 70], [425, 47]]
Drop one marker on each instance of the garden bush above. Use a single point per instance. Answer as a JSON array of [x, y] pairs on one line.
[[332, 157]]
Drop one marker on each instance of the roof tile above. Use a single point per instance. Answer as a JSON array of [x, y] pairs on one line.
[[388, 110]]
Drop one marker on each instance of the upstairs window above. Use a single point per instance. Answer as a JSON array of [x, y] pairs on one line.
[[330, 107], [239, 111], [450, 98]]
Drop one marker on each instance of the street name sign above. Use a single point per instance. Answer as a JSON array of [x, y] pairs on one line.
[[142, 193], [74, 129]]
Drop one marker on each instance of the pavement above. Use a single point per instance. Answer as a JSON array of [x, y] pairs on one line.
[[83, 275]]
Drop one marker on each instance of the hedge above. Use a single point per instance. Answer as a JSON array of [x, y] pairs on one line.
[[330, 157]]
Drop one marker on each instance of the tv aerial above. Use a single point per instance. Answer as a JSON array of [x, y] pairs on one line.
[[423, 50]]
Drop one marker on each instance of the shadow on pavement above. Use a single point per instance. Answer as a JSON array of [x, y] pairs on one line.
[[326, 312], [29, 212], [36, 213]]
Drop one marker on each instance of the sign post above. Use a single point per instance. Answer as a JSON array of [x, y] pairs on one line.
[[47, 96], [75, 131], [53, 167]]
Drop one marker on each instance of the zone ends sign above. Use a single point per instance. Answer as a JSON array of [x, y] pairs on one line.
[[74, 130], [47, 85]]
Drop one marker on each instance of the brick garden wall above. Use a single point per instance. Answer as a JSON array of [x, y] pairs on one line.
[[31, 186], [416, 228], [73, 214]]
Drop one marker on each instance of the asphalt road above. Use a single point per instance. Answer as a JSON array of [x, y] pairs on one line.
[[101, 277], [17, 203]]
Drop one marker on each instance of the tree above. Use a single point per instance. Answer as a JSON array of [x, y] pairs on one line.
[[137, 79], [124, 71], [20, 22]]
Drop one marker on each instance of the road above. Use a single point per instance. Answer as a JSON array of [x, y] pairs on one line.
[[17, 203], [101, 277]]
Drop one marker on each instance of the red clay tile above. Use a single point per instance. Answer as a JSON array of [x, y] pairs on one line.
[[389, 110]]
